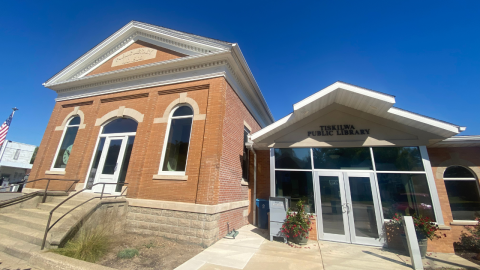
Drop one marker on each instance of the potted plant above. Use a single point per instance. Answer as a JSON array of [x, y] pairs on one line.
[[424, 228], [297, 224]]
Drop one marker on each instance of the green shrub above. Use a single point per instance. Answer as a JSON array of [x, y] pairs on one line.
[[89, 245], [127, 253], [471, 239]]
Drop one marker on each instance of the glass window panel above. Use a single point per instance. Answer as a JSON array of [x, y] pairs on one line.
[[75, 121], [183, 111], [406, 194], [296, 185], [66, 147], [112, 157], [96, 160], [292, 158], [177, 145], [125, 162], [332, 212], [397, 159], [362, 206], [342, 158], [120, 125], [457, 172], [464, 199]]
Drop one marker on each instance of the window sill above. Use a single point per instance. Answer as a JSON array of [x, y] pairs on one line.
[[55, 172], [244, 183], [464, 222], [171, 177]]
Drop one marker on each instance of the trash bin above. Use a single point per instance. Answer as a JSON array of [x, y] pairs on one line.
[[263, 209]]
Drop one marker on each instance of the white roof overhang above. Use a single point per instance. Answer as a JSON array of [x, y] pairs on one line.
[[459, 141], [365, 100]]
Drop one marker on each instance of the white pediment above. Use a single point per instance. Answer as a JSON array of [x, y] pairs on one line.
[[190, 45], [337, 127]]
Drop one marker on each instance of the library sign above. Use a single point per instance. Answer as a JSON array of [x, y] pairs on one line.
[[339, 130]]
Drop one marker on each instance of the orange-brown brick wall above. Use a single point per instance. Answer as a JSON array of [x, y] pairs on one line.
[[205, 152], [232, 153], [263, 179], [438, 156]]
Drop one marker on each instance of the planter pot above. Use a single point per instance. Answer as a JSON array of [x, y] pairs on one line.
[[422, 244], [299, 240]]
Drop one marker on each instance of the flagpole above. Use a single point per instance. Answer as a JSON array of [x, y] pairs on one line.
[[4, 145]]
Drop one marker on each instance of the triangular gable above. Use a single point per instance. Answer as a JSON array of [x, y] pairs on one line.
[[363, 101], [137, 54]]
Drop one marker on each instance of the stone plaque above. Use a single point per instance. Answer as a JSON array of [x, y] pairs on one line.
[[133, 56]]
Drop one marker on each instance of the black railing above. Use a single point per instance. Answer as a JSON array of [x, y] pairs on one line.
[[48, 184], [48, 228]]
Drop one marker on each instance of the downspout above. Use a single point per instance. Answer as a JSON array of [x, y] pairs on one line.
[[250, 147]]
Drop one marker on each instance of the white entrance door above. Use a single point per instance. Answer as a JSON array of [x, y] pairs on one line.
[[348, 208], [110, 163]]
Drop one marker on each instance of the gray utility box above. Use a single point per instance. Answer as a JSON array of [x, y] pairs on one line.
[[278, 214]]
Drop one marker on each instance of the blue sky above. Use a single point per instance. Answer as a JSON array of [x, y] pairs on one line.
[[426, 53]]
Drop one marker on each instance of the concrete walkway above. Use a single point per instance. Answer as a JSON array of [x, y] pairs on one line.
[[252, 250]]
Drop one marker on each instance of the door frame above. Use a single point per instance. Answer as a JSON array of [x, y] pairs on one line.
[[318, 206], [103, 157], [376, 205], [106, 136], [348, 221]]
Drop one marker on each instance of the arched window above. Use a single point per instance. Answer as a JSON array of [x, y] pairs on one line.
[[65, 148], [175, 149], [463, 192], [120, 125]]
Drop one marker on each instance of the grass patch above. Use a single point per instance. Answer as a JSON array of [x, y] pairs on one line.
[[89, 245], [127, 253]]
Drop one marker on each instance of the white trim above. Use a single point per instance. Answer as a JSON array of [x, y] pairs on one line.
[[167, 136], [431, 185], [425, 120], [52, 166], [348, 87], [464, 222], [459, 179], [272, 173]]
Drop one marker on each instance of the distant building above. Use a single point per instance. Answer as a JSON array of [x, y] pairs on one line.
[[15, 161]]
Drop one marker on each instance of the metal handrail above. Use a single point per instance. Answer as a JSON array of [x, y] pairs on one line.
[[48, 183], [48, 227]]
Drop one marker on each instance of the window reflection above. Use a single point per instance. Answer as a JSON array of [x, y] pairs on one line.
[[292, 158], [297, 185], [397, 159], [407, 194], [342, 158]]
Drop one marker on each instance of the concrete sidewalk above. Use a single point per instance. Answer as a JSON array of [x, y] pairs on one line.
[[252, 250]]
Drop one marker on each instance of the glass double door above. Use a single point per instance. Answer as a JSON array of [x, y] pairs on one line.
[[348, 208]]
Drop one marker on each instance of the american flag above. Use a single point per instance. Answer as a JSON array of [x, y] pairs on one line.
[[4, 128]]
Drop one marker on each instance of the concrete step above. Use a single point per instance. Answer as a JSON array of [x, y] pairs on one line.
[[26, 221], [11, 262], [40, 214], [33, 236], [64, 207], [17, 248]]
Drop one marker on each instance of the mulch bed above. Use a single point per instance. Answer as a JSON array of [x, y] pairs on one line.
[[154, 252]]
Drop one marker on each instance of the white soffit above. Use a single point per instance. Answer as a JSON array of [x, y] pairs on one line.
[[459, 141], [361, 99]]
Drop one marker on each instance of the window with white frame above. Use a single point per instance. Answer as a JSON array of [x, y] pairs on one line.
[[463, 192], [245, 157], [175, 149], [66, 143]]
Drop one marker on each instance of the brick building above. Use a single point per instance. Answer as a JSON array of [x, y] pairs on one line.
[[179, 120]]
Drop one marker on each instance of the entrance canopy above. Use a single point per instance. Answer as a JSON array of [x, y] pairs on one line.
[[344, 115]]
